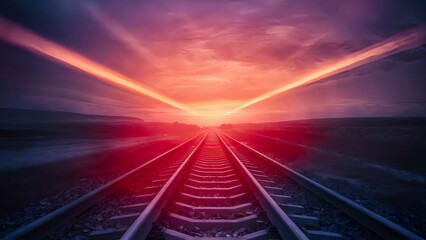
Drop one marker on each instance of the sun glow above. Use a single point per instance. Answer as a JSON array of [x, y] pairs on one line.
[[212, 109]]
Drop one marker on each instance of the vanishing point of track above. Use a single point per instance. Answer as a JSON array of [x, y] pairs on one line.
[[210, 192]]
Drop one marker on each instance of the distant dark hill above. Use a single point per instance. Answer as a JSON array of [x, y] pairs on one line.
[[398, 130], [20, 116], [347, 122], [18, 124]]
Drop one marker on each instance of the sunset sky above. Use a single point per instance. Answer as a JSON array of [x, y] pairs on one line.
[[203, 59]]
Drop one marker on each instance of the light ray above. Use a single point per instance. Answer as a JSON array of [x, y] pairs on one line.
[[121, 34], [22, 37], [395, 44]]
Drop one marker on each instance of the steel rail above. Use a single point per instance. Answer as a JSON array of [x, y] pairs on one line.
[[285, 226], [143, 224], [376, 223], [44, 225]]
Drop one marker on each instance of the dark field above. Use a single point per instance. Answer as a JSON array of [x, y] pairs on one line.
[[378, 159], [43, 153], [53, 158]]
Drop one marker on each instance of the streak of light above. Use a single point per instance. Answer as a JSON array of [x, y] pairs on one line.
[[395, 44], [117, 31], [24, 38]]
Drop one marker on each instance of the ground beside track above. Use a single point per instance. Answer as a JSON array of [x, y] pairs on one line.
[[378, 163]]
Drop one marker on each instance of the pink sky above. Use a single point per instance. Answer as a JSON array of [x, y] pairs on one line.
[[212, 57]]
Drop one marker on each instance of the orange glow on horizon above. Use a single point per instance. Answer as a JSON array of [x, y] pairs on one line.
[[25, 38], [213, 110]]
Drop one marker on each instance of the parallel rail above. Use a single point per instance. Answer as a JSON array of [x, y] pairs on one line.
[[286, 227], [148, 214], [48, 223], [142, 226], [376, 223]]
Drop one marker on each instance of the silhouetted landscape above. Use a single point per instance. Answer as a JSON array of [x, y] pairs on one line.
[[57, 149], [376, 158]]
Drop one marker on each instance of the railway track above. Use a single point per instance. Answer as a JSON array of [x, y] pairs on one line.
[[211, 186]]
